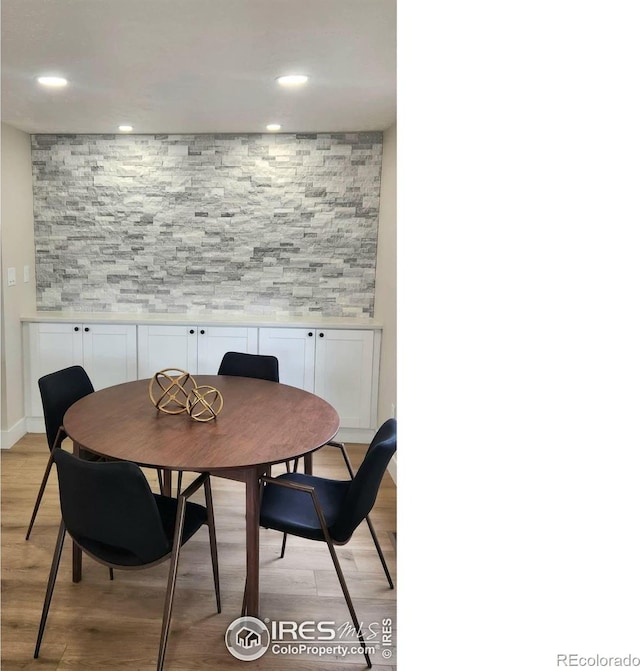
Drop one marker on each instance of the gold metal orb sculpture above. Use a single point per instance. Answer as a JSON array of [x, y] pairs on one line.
[[204, 403], [169, 390]]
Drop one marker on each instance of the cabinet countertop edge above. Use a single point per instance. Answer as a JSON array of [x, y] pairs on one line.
[[226, 319]]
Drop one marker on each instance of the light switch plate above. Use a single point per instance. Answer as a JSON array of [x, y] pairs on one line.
[[11, 277]]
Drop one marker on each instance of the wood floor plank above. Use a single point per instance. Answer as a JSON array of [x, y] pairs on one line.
[[100, 624]]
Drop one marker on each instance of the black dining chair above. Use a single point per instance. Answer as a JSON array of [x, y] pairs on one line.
[[111, 513], [322, 509], [59, 391], [260, 366]]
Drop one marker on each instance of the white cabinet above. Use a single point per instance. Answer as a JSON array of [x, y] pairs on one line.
[[196, 349], [339, 365], [161, 347], [213, 342], [344, 374], [295, 349], [106, 351]]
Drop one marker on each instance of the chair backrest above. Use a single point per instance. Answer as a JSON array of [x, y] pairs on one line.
[[364, 487], [59, 391], [261, 366], [110, 506]]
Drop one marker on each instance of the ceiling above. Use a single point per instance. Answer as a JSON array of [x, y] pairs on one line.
[[198, 66]]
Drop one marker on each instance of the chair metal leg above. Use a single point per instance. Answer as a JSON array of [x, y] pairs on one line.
[[159, 472], [284, 544], [212, 541], [347, 598], [110, 573], [379, 549], [336, 564], [55, 563], [345, 456], [171, 583], [43, 484]]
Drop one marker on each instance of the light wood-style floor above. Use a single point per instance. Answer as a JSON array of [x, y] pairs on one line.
[[102, 624]]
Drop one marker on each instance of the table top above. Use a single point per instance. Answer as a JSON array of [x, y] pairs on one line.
[[261, 422]]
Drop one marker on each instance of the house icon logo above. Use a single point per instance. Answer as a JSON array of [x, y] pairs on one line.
[[247, 638]]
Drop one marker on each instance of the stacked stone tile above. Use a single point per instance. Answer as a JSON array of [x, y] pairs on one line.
[[282, 225]]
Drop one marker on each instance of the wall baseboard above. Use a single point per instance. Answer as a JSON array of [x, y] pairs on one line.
[[393, 468], [11, 436], [35, 425]]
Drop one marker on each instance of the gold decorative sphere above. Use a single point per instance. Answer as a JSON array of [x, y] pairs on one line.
[[204, 403], [169, 390]]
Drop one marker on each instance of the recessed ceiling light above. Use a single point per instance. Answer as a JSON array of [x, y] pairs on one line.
[[292, 80], [125, 128], [51, 81], [274, 126]]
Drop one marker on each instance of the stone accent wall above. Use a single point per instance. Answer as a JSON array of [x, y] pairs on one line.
[[274, 224]]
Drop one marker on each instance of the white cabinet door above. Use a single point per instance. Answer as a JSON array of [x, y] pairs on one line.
[[106, 351], [215, 341], [344, 374], [196, 349], [109, 352], [295, 350], [335, 364], [161, 347], [52, 347]]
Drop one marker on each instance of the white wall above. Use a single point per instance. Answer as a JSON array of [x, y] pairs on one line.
[[17, 251], [386, 283]]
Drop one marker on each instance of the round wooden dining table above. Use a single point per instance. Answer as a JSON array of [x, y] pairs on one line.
[[261, 423]]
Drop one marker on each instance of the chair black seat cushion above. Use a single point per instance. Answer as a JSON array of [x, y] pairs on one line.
[[292, 511], [195, 517], [110, 510]]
